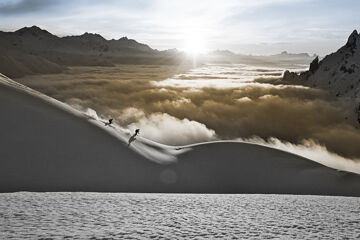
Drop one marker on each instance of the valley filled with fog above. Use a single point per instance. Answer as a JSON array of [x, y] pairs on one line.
[[181, 105]]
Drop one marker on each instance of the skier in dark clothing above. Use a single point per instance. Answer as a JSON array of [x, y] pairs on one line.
[[109, 123], [137, 131], [133, 137]]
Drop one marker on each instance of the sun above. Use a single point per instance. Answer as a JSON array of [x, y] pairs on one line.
[[194, 44]]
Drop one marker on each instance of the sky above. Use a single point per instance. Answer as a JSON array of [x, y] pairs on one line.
[[242, 26]]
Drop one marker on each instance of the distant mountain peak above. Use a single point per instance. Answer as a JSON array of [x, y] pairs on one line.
[[34, 27], [129, 41], [353, 39], [223, 52], [92, 35], [286, 53], [34, 30]]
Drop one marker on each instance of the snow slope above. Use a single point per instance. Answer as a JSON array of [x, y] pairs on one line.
[[48, 146]]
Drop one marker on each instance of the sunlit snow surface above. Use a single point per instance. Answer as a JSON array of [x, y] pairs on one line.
[[176, 216]]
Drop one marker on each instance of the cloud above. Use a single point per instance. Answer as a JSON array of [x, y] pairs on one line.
[[163, 128], [126, 93], [25, 6]]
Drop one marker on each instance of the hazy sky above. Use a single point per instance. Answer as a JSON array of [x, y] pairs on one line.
[[243, 26]]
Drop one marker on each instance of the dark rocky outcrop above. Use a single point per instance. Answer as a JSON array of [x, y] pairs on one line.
[[352, 40], [314, 65], [338, 73]]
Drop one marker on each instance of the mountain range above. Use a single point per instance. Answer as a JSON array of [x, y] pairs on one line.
[[284, 58], [32, 50]]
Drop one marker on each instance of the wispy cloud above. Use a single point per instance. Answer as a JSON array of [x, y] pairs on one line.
[[15, 7]]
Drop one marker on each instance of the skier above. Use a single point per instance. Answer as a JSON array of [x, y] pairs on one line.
[[137, 132], [109, 123], [133, 137]]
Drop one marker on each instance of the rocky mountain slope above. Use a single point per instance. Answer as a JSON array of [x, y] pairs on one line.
[[338, 72], [34, 50]]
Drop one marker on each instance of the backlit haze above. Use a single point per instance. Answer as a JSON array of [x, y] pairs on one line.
[[247, 26]]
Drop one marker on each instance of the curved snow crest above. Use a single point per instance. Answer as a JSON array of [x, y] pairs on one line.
[[310, 150], [149, 149]]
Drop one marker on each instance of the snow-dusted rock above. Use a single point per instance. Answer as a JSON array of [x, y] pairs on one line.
[[339, 72]]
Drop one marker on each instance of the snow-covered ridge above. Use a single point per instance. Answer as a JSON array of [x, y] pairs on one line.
[[22, 88], [151, 150]]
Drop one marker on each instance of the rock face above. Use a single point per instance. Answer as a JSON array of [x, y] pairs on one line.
[[339, 72], [314, 65], [353, 39], [33, 50]]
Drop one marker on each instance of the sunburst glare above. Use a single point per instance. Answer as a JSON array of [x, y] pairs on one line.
[[194, 44]]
